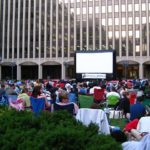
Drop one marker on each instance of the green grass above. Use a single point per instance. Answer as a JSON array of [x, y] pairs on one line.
[[87, 100], [118, 122]]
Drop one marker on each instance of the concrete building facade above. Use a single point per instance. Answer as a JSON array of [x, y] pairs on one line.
[[38, 38]]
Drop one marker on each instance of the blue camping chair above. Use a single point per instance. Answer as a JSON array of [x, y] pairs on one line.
[[37, 104], [72, 97]]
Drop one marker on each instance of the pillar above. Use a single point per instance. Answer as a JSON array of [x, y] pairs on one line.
[[40, 72], [63, 71], [18, 72], [141, 71]]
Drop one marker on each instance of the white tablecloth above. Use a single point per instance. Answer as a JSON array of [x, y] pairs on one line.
[[97, 116]]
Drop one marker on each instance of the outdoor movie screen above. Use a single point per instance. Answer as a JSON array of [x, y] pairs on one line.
[[101, 61]]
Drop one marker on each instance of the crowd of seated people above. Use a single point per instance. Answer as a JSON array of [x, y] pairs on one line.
[[64, 95]]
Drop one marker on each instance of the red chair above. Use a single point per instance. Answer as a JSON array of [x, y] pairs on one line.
[[132, 98], [99, 95]]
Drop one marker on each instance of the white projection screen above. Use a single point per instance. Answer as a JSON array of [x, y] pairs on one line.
[[94, 62]]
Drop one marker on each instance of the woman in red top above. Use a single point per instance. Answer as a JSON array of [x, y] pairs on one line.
[[129, 126]]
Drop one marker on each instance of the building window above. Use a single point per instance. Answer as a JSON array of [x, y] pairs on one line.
[[96, 9], [143, 20], [136, 7], [117, 34], [123, 34], [103, 22], [137, 48], [84, 10], [137, 20], [78, 11], [143, 7], [103, 9], [129, 7], [110, 34], [123, 21], [116, 21], [109, 8], [116, 8], [137, 34], [90, 10], [130, 33], [110, 21], [123, 8], [130, 20]]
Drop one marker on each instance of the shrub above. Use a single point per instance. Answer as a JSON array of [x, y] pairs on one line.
[[54, 131]]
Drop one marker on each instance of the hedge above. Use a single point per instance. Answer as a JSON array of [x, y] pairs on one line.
[[50, 131]]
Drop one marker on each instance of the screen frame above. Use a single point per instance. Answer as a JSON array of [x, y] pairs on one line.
[[108, 75]]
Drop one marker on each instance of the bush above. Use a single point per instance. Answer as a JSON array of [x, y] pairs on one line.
[[54, 131]]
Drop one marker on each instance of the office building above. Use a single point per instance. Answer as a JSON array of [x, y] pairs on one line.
[[38, 38]]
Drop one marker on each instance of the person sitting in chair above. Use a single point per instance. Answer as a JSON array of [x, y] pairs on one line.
[[64, 104], [38, 94]]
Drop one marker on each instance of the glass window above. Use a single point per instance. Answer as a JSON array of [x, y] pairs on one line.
[[110, 21], [123, 34], [123, 21], [149, 6], [123, 8], [103, 9], [116, 8], [130, 20], [136, 7], [117, 34], [110, 34], [109, 8], [78, 11], [137, 20], [66, 1], [143, 7], [72, 10], [104, 22], [116, 21], [90, 10], [84, 10], [137, 34], [129, 7], [130, 33], [143, 20], [96, 9], [137, 48]]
